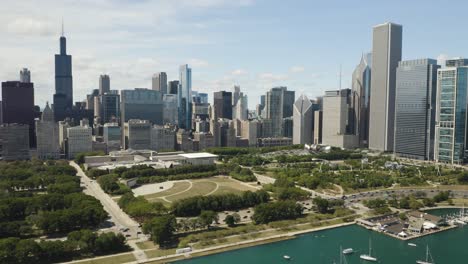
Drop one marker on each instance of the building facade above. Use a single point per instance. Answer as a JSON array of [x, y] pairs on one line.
[[451, 113], [163, 138], [222, 104], [278, 105], [14, 142], [303, 121], [185, 97], [416, 92], [159, 82], [386, 53], [137, 134], [112, 136], [104, 84], [79, 139], [63, 97], [142, 104], [170, 109], [361, 88], [47, 135]]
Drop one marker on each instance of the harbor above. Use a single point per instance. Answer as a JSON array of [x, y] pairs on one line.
[[326, 246]]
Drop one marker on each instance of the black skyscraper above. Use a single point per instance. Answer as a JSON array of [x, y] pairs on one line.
[[63, 97], [223, 104]]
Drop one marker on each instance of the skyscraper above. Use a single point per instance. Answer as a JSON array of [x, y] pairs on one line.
[[303, 119], [110, 106], [173, 87], [222, 103], [361, 88], [25, 76], [63, 97], [47, 135], [104, 84], [386, 53], [170, 109], [415, 108], [185, 97], [160, 82], [451, 114], [14, 142], [18, 105], [279, 104], [143, 104]]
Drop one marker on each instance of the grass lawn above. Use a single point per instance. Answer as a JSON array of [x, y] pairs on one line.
[[146, 245], [154, 253], [110, 260], [208, 186]]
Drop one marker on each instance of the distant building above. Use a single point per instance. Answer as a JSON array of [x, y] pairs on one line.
[[386, 53], [250, 131], [47, 135], [110, 107], [288, 127], [185, 97], [274, 142], [18, 106], [184, 140], [112, 135], [25, 76], [104, 84], [160, 82], [202, 125], [141, 104], [79, 139], [279, 104], [173, 87], [222, 104], [137, 134], [336, 119], [170, 115], [361, 103], [416, 92], [451, 115], [240, 109], [303, 121], [14, 142], [63, 97], [204, 140], [163, 138]]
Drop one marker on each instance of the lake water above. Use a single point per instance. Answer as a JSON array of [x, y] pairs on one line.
[[323, 247]]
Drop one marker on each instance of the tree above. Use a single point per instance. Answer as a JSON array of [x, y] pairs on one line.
[[321, 204], [161, 229], [232, 220], [207, 218], [281, 210]]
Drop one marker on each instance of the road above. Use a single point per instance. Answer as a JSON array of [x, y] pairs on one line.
[[121, 220]]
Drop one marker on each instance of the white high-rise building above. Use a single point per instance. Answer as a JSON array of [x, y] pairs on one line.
[[47, 135], [303, 118], [240, 109], [79, 139]]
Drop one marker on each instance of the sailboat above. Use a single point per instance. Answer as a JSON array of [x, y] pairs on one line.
[[342, 257], [428, 255], [369, 256]]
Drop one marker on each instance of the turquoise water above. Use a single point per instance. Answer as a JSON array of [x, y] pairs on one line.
[[323, 247]]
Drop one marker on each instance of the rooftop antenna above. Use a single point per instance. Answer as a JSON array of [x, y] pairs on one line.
[[63, 31], [340, 76]]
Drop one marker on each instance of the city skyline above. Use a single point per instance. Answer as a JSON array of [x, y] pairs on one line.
[[199, 34]]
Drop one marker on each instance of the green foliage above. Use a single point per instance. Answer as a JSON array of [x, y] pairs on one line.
[[281, 210], [140, 208], [442, 196], [207, 218], [242, 174], [321, 204], [232, 220], [161, 229], [193, 206], [82, 243], [109, 183]]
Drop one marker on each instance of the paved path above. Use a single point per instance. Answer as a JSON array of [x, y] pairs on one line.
[[118, 217]]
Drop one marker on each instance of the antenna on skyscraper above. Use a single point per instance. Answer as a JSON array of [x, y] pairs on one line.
[[63, 31], [340, 77]]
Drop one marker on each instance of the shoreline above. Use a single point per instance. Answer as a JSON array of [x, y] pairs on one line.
[[238, 245]]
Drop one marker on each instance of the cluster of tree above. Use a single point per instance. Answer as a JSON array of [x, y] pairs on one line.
[[249, 160], [280, 210], [111, 185], [284, 189], [44, 198], [167, 174], [178, 177], [325, 206], [193, 206], [140, 208], [80, 157], [161, 229], [338, 154], [230, 151], [378, 205], [79, 244], [241, 174], [204, 220]]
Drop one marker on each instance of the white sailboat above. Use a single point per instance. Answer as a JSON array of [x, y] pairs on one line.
[[428, 260], [342, 257], [369, 256]]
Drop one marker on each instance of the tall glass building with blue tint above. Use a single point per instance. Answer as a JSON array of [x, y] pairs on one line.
[[185, 97], [415, 104], [451, 117]]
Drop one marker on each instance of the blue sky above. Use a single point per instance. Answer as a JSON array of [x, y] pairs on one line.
[[254, 43]]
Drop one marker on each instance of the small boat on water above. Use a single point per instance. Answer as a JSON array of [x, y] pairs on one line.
[[286, 257], [428, 260], [348, 251], [412, 245], [369, 257]]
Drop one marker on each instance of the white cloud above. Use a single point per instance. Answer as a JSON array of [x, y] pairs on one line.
[[197, 63], [29, 27], [270, 77], [239, 72], [297, 69]]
